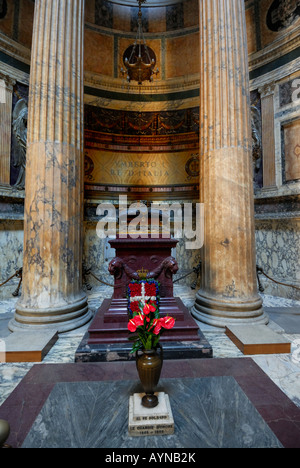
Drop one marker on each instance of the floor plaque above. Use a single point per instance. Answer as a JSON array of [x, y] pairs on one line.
[[150, 421]]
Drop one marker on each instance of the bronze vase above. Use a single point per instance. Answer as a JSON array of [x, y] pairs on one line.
[[149, 365]]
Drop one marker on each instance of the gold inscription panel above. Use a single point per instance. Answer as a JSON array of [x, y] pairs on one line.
[[145, 169]]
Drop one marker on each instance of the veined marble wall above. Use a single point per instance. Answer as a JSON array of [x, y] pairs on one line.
[[97, 253], [278, 254], [277, 243], [277, 204], [11, 253]]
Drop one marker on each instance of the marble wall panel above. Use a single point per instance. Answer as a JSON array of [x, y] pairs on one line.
[[286, 100], [277, 244], [122, 17], [157, 20], [292, 150], [99, 58], [104, 13], [94, 251], [175, 17], [176, 49], [11, 249], [251, 29], [89, 11], [134, 24], [278, 254], [191, 13]]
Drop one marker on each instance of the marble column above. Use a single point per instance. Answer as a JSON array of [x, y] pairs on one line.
[[52, 296], [228, 293]]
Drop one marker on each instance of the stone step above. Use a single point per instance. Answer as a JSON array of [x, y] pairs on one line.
[[27, 346], [257, 339]]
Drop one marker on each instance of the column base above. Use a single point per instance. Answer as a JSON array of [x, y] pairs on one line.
[[63, 319], [220, 313]]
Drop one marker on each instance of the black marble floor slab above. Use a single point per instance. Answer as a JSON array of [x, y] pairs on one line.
[[121, 352], [209, 412]]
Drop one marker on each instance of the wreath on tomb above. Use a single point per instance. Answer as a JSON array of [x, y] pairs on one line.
[[142, 292], [144, 316]]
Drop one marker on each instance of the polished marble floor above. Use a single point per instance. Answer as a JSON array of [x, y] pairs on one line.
[[223, 417], [282, 369]]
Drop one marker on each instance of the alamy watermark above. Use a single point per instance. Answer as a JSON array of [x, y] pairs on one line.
[[296, 90], [2, 92], [183, 221]]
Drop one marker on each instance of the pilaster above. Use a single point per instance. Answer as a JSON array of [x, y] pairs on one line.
[[6, 89]]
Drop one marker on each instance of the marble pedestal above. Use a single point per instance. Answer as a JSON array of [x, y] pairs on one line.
[[153, 258], [110, 352], [150, 421], [111, 320]]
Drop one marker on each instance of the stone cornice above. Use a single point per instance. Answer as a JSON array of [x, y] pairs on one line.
[[287, 43], [14, 49], [118, 85]]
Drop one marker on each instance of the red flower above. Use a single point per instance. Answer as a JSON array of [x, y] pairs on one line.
[[135, 289], [148, 308], [150, 289], [167, 322], [132, 326], [157, 326], [135, 306], [157, 329], [135, 322], [139, 320]]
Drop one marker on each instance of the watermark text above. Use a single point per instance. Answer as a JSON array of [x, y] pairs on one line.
[[161, 220]]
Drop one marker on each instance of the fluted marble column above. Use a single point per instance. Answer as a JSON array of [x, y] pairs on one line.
[[228, 293], [52, 295]]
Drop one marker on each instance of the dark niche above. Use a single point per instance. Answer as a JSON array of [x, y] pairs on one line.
[[3, 8], [282, 14]]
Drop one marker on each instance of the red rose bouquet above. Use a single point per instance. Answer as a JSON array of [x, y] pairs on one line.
[[144, 318]]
